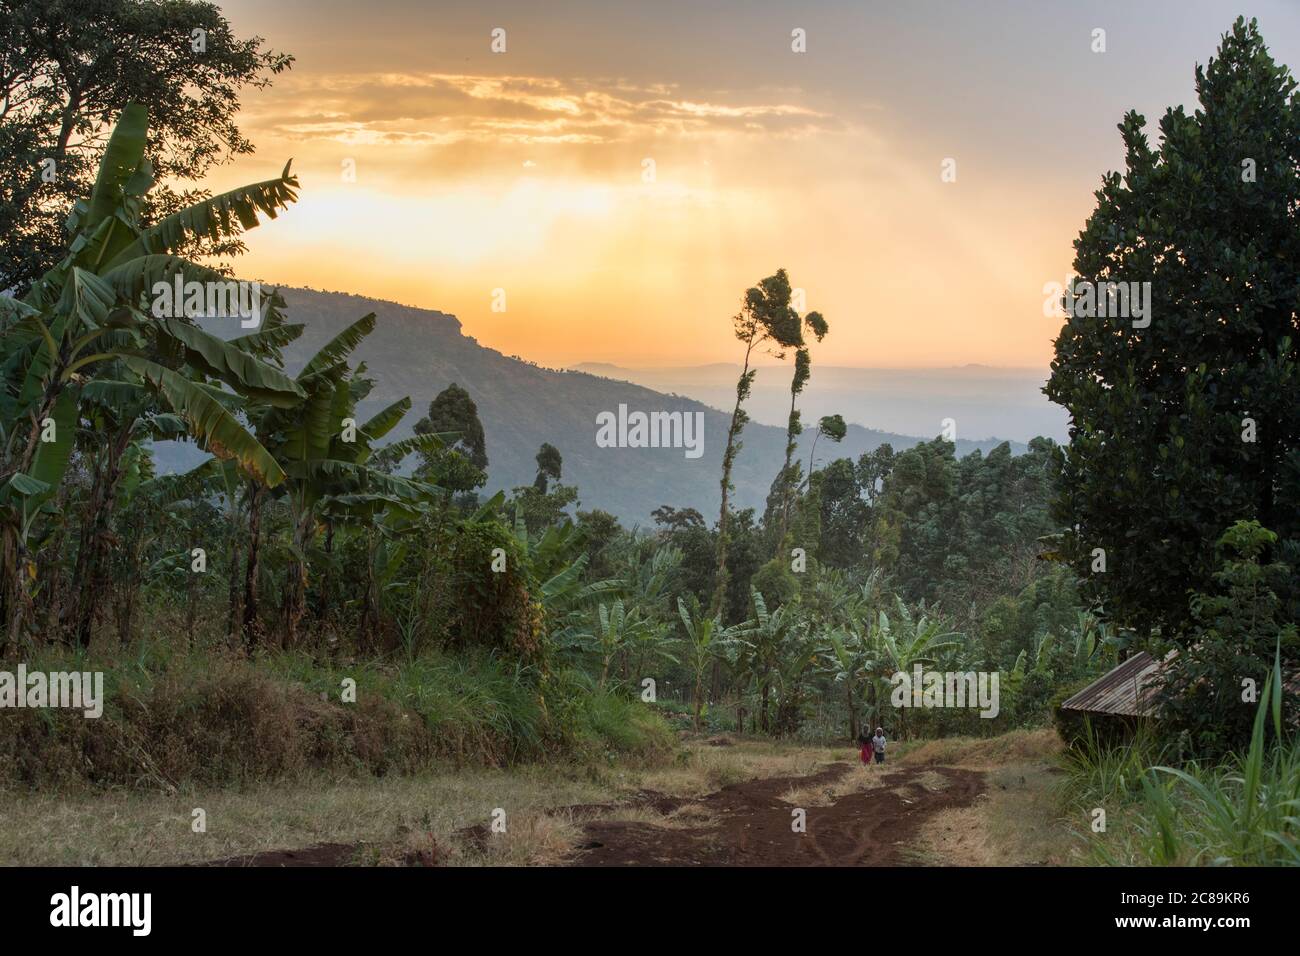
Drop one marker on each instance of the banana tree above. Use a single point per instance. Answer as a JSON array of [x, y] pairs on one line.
[[382, 522], [613, 629], [119, 415], [706, 641], [907, 640], [774, 653], [160, 506], [850, 662], [324, 453], [88, 320]]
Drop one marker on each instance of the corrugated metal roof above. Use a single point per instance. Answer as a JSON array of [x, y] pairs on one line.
[[1128, 690]]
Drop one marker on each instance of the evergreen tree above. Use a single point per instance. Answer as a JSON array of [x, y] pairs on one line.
[[1191, 422]]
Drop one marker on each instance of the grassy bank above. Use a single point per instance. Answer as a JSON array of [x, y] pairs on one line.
[[208, 717]]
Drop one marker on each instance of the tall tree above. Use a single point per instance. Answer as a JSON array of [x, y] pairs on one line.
[[69, 67], [1185, 425], [830, 427], [541, 505], [550, 465], [789, 479], [764, 320], [462, 465]]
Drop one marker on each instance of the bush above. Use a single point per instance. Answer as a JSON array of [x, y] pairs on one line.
[[1071, 725], [1238, 628], [492, 606]]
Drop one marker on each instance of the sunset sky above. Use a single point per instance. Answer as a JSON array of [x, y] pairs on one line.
[[523, 170]]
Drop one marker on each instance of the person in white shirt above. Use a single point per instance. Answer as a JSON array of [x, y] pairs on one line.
[[878, 744]]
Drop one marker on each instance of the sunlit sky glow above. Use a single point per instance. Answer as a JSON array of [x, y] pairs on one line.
[[524, 170]]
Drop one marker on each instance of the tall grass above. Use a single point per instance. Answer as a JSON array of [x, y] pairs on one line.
[[1105, 773], [1244, 811]]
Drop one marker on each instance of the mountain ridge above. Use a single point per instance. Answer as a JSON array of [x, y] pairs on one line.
[[522, 404]]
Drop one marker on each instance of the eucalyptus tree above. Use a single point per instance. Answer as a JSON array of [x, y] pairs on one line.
[[830, 427], [802, 373], [765, 320]]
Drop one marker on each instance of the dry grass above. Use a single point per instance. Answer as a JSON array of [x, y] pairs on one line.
[[859, 779], [1024, 820], [421, 819], [701, 768], [957, 837], [530, 839], [1017, 821], [982, 753], [142, 829]]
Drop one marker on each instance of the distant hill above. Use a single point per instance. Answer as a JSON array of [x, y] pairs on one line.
[[418, 352]]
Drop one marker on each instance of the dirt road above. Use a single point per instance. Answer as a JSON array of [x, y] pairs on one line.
[[853, 816], [750, 823]]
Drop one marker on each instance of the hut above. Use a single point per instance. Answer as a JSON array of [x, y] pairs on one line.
[[1127, 690], [1123, 697]]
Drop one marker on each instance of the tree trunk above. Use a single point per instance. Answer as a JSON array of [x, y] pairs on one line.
[[58, 585], [17, 569], [92, 571], [191, 603], [699, 694], [17, 599], [728, 460], [787, 478], [370, 619], [295, 594], [252, 626], [232, 592]]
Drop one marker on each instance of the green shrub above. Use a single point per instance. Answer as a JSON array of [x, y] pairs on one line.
[[1071, 725]]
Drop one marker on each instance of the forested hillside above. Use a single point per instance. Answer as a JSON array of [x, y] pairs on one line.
[[418, 352]]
